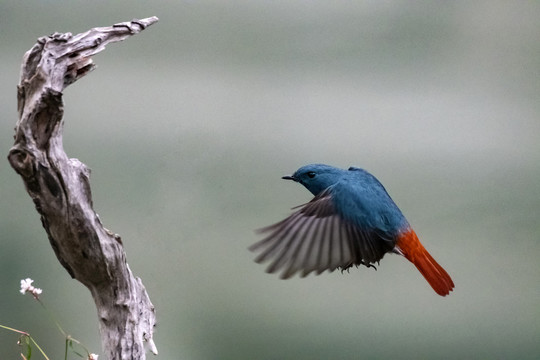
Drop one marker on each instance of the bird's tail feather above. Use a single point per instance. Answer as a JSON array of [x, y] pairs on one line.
[[410, 247]]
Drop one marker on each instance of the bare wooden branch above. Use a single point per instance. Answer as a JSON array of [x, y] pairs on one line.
[[60, 188]]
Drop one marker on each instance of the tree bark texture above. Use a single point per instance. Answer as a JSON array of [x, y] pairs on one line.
[[60, 188]]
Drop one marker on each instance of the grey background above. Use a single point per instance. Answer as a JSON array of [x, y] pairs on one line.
[[189, 126]]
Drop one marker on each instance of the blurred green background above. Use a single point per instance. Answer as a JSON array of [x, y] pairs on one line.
[[189, 126]]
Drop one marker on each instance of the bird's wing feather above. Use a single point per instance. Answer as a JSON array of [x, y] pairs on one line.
[[316, 238]]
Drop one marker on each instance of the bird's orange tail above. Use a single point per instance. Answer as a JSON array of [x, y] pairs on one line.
[[414, 251]]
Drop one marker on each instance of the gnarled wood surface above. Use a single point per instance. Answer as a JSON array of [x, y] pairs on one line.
[[60, 188]]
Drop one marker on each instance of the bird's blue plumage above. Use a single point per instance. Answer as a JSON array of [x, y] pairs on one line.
[[357, 196]]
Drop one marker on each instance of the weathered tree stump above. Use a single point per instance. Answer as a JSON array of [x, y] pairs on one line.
[[60, 188]]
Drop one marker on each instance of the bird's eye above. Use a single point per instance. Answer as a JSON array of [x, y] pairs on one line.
[[311, 174]]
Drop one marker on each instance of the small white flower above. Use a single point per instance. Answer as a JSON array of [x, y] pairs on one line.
[[26, 286], [93, 357]]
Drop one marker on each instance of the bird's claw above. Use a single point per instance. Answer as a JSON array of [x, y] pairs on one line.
[[370, 266]]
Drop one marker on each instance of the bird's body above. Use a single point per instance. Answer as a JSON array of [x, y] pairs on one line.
[[351, 221]]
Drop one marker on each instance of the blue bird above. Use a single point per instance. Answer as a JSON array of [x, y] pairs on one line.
[[351, 221]]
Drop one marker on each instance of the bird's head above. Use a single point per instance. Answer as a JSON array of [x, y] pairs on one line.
[[316, 177]]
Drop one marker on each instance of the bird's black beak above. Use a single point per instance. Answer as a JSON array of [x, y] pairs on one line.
[[289, 177]]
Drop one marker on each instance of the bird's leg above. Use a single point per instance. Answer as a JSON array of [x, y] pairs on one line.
[[368, 265], [362, 262]]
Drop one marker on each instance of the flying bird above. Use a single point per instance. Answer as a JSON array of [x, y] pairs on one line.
[[351, 221]]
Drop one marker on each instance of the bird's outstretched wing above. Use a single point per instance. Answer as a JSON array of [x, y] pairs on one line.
[[316, 238]]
